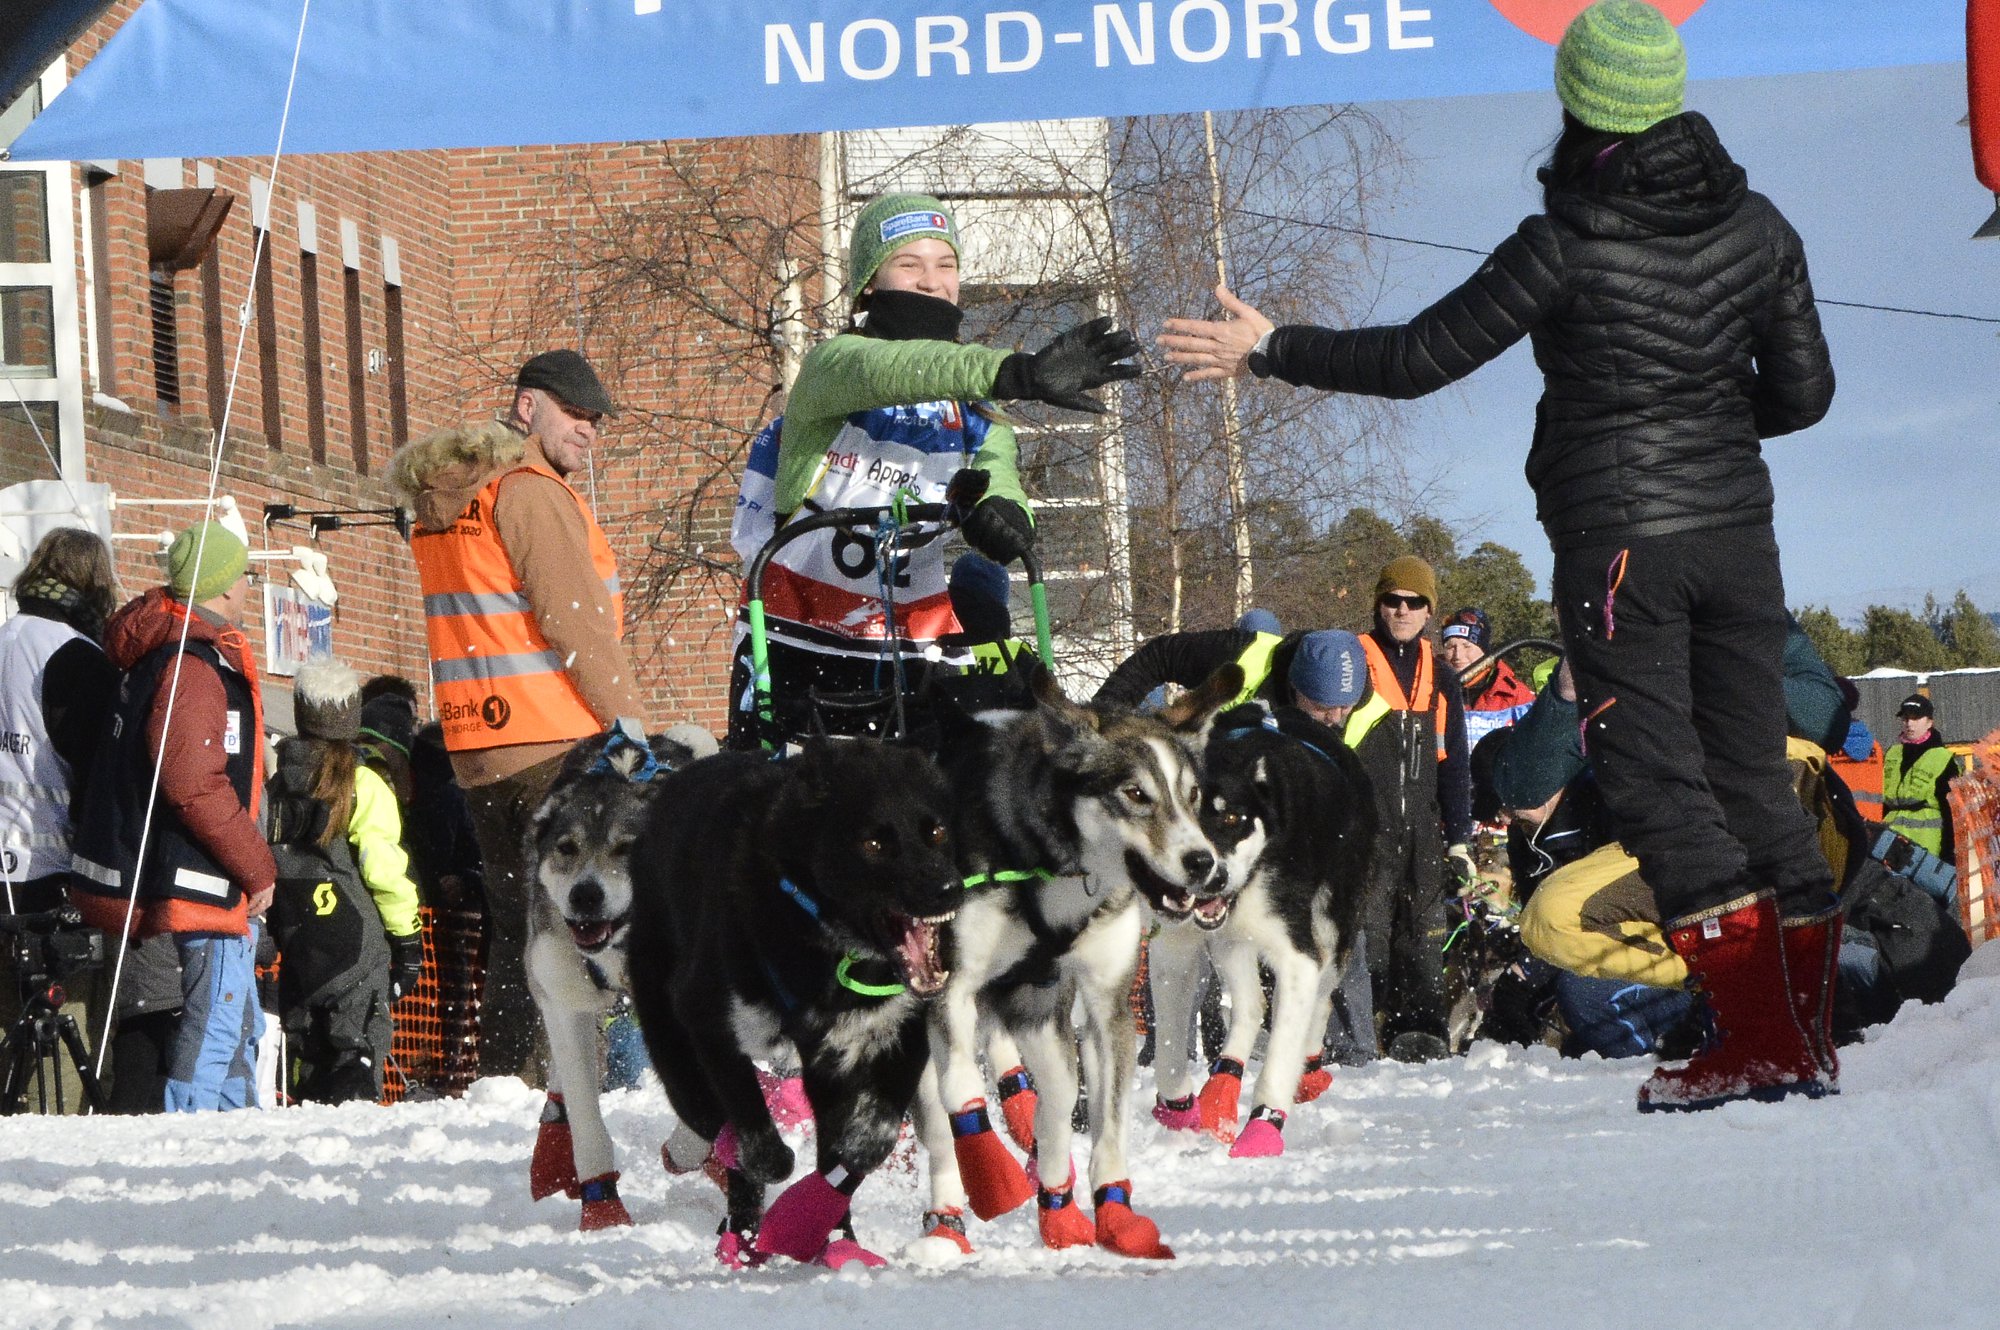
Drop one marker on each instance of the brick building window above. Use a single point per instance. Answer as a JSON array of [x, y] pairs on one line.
[[315, 366], [399, 393], [181, 225], [267, 342], [98, 192], [212, 349], [357, 368]]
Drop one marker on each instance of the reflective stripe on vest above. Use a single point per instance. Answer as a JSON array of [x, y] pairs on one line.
[[1427, 697], [497, 678], [1924, 823], [1256, 663]]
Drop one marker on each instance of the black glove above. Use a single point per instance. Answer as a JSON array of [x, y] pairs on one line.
[[1000, 529], [406, 964], [1063, 372], [968, 486]]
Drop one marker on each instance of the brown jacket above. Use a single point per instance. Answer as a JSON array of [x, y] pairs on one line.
[[545, 536]]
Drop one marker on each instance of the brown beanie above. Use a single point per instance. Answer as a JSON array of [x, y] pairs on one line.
[[326, 700], [1408, 573]]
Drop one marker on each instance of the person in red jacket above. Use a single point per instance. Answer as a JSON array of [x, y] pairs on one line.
[[1495, 697], [188, 704]]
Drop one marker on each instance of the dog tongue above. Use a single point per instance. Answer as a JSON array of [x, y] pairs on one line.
[[591, 935], [919, 949]]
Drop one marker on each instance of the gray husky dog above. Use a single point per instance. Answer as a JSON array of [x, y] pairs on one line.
[[577, 923], [1070, 826]]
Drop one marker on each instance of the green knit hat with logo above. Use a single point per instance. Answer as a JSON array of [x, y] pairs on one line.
[[1621, 67], [888, 223]]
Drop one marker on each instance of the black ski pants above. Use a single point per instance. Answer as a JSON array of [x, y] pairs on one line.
[[1677, 644]]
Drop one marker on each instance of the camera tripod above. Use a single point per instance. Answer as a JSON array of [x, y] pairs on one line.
[[34, 1049]]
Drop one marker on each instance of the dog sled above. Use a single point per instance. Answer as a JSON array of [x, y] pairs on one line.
[[891, 528]]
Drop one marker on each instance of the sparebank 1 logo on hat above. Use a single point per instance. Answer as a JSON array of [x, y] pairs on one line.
[[1547, 19], [908, 223]]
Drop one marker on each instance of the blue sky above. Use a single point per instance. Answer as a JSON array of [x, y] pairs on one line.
[[1897, 492]]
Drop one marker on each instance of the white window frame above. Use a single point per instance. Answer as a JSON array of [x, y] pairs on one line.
[[59, 277]]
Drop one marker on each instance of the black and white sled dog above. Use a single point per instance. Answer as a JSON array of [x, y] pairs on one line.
[[793, 905], [1290, 811], [1071, 824], [579, 919]]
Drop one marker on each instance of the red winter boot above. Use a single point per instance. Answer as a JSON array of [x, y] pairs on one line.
[[1812, 963], [1120, 1230], [553, 1167], [1218, 1098], [1018, 1101], [1736, 958], [994, 1180]]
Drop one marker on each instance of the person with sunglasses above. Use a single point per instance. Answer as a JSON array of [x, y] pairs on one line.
[[1672, 318]]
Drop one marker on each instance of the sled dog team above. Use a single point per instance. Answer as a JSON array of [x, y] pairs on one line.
[[878, 920]]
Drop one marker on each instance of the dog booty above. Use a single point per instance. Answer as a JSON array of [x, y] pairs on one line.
[[944, 1240], [801, 1220], [785, 1099], [601, 1206], [1314, 1081], [553, 1167], [1018, 1101], [1177, 1114], [1062, 1221], [846, 1251], [994, 1180], [734, 1250], [1262, 1137], [1123, 1232], [1218, 1098]]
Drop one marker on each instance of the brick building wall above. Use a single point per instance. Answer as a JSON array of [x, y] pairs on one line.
[[491, 255]]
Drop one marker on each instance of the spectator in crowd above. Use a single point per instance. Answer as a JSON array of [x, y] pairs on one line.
[[1417, 759], [55, 687], [1651, 254], [526, 624], [345, 915], [189, 707], [1917, 771], [1495, 697]]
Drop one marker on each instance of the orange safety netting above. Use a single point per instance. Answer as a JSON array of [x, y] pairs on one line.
[[436, 1041], [1975, 824]]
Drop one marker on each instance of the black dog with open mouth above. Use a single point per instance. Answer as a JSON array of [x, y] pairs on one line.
[[800, 901]]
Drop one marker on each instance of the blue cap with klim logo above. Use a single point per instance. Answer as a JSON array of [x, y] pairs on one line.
[[1329, 669]]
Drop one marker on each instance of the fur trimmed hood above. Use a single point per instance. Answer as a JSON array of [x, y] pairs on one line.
[[439, 474]]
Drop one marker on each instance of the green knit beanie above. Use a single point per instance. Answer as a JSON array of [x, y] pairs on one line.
[[223, 557], [888, 223], [1621, 67]]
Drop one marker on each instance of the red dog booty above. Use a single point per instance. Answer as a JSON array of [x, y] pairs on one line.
[[553, 1167], [1018, 1101], [801, 1220], [785, 1099], [1263, 1137], [1218, 1097], [1177, 1114], [1121, 1231], [948, 1225], [734, 1249], [1314, 1081], [994, 1180], [601, 1206], [1062, 1221]]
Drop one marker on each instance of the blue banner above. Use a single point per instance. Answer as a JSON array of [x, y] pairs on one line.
[[206, 78]]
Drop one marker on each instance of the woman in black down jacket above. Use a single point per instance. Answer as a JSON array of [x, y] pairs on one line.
[[1673, 321]]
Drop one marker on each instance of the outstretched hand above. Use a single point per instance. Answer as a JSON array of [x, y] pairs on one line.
[[1215, 348]]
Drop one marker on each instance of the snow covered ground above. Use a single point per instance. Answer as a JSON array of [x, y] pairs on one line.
[[1510, 1188]]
